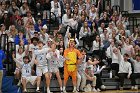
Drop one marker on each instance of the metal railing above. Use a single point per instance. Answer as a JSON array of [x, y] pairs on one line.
[[8, 48], [132, 23]]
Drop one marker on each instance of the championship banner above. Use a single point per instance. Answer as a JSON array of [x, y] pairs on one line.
[[136, 5]]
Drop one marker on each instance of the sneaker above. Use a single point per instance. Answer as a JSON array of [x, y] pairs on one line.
[[132, 87], [136, 87], [94, 90], [25, 91], [64, 91], [98, 90], [121, 88], [38, 91], [75, 91], [48, 91], [103, 87]]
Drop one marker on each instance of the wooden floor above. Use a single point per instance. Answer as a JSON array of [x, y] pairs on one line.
[[113, 91]]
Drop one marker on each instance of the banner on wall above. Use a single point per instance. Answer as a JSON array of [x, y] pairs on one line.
[[136, 4]]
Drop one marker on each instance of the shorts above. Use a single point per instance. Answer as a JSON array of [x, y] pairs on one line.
[[53, 69], [30, 79], [41, 69]]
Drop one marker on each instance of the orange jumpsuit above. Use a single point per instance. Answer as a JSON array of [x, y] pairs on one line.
[[70, 66]]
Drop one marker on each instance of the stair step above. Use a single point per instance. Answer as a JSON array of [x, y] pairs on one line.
[[105, 75], [111, 87], [110, 79], [110, 83]]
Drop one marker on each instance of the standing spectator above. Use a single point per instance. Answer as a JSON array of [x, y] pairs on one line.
[[26, 69], [125, 69], [42, 66], [5, 20], [136, 74], [53, 58], [2, 57], [70, 69]]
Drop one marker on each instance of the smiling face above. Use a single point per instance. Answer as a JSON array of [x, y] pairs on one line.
[[53, 46], [26, 59], [40, 45]]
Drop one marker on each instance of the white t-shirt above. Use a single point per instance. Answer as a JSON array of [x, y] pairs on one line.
[[26, 68], [41, 56], [33, 47], [19, 57], [124, 67]]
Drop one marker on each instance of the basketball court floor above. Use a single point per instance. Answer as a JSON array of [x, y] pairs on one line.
[[111, 91]]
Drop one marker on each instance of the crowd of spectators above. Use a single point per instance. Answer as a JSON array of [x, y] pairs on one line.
[[105, 33]]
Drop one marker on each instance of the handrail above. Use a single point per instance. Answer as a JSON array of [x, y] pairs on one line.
[[6, 47], [51, 13], [4, 42], [134, 22]]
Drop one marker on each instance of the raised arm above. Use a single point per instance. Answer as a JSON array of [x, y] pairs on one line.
[[18, 62], [33, 58]]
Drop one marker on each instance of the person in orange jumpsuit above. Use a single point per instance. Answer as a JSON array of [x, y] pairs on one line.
[[73, 57]]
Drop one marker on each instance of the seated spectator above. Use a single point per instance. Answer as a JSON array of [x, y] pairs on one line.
[[5, 20], [28, 19], [66, 18], [44, 35], [56, 9], [85, 33], [96, 46], [12, 8], [101, 28], [40, 23], [12, 32], [97, 73], [89, 73], [30, 31], [24, 8], [135, 35], [20, 26], [15, 17], [2, 29]]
